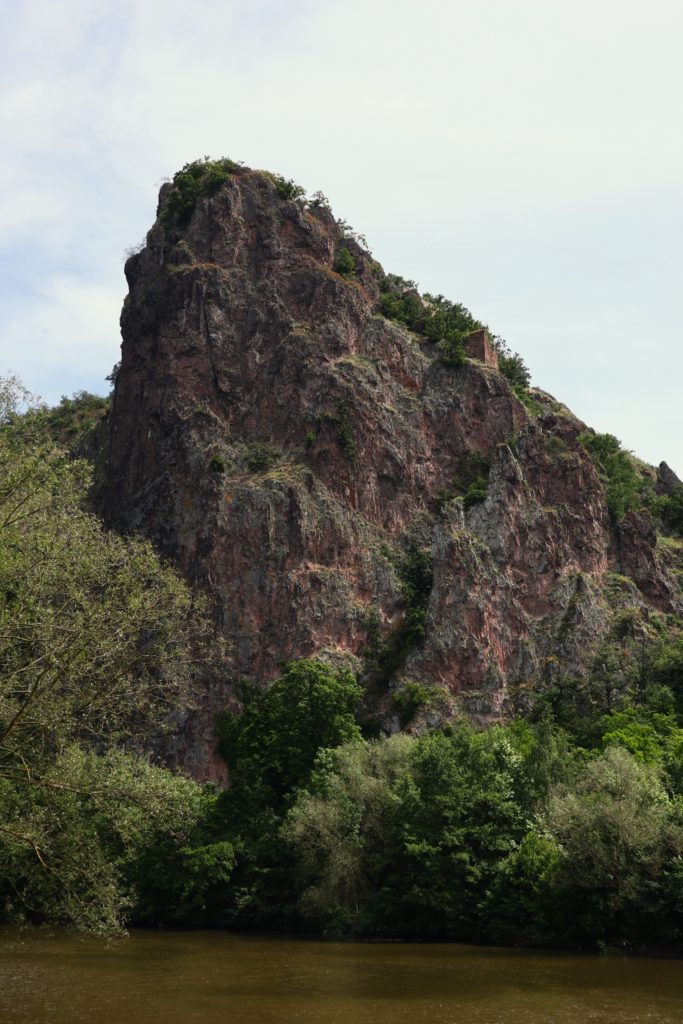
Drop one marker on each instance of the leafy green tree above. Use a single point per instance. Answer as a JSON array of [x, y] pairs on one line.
[[72, 830], [272, 745], [618, 831], [187, 883], [513, 368], [271, 748], [523, 905], [460, 816], [337, 830], [98, 643]]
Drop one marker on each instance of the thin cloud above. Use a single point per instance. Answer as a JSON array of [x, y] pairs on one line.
[[523, 158]]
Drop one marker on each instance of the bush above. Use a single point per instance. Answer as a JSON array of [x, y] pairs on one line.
[[345, 263], [409, 699], [670, 509], [515, 371], [67, 423], [625, 489], [286, 188], [271, 746], [452, 349], [385, 656], [618, 830], [261, 456], [446, 324], [344, 426], [476, 492], [199, 178]]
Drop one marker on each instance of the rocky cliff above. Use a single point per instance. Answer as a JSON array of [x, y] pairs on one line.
[[289, 447]]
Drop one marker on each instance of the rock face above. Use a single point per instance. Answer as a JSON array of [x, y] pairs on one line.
[[667, 481], [283, 442]]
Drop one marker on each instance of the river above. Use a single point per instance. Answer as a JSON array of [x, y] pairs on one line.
[[218, 978]]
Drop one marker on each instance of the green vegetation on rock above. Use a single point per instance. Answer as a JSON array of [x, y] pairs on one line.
[[286, 188], [196, 179], [386, 654], [345, 263], [446, 324], [625, 488]]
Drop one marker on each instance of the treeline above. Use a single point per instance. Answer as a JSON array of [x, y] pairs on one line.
[[517, 834]]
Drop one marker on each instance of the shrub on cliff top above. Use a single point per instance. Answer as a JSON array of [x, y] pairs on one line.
[[196, 179], [440, 321], [286, 188], [513, 368]]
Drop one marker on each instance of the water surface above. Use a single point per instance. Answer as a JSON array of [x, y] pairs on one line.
[[215, 978]]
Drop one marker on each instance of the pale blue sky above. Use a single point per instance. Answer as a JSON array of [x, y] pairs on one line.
[[524, 158]]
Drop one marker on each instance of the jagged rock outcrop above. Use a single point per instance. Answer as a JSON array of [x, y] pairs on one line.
[[667, 481], [281, 440]]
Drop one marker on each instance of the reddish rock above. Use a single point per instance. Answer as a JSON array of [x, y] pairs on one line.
[[278, 438], [478, 346]]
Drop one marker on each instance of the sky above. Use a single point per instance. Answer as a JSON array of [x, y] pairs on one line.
[[524, 158]]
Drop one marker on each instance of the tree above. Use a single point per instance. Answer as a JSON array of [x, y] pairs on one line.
[[15, 398], [338, 828], [272, 745], [98, 642], [619, 833], [460, 816], [513, 368], [403, 836]]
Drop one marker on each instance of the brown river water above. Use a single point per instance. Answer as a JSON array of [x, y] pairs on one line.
[[217, 978]]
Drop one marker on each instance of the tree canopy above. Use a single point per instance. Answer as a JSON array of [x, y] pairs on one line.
[[98, 643]]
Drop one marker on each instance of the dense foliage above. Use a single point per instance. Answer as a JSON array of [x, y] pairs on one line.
[[625, 488], [95, 641], [386, 654], [446, 324], [513, 368], [196, 179], [561, 831], [670, 509], [70, 421], [345, 263], [286, 188], [271, 747], [630, 485]]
